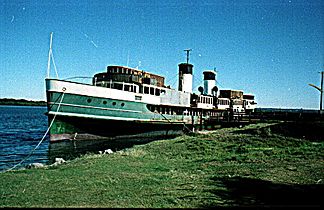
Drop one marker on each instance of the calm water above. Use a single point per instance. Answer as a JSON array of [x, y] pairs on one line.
[[22, 128]]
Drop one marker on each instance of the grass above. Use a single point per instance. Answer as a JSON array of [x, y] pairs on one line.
[[250, 166]]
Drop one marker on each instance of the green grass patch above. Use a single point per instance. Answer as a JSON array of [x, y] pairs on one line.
[[248, 166]]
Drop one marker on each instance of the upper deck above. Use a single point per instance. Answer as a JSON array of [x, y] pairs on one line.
[[128, 75]]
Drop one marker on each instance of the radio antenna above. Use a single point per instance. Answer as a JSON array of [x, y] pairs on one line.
[[188, 51]]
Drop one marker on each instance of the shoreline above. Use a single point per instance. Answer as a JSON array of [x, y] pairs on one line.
[[20, 102], [253, 166]]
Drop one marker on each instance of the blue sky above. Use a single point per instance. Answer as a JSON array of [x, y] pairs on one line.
[[270, 48]]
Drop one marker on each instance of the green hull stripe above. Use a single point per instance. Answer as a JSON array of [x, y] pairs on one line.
[[106, 108], [112, 118]]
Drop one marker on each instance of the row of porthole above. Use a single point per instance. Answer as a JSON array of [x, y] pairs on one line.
[[105, 102]]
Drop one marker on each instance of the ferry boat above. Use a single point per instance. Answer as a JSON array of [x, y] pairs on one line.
[[124, 102]]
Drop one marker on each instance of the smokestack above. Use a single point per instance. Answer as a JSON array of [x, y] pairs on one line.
[[209, 81], [185, 77]]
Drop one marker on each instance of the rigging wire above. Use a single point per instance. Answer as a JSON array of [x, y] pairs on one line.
[[174, 80], [197, 80], [77, 77]]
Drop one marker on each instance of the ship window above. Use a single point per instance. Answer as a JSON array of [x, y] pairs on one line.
[[146, 90], [134, 90], [104, 102], [151, 91], [157, 92], [114, 103], [122, 104], [89, 100], [118, 86], [162, 91], [138, 98], [126, 87]]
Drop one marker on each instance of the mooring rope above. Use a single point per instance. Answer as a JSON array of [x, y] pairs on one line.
[[39, 143]]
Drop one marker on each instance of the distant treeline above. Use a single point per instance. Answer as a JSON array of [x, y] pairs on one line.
[[21, 102], [279, 110]]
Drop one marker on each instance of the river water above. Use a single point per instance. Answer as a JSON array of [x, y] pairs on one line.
[[23, 127]]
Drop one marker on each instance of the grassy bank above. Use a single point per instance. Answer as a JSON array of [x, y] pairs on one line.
[[251, 166]]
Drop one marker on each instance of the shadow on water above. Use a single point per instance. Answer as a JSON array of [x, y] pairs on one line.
[[69, 149], [248, 192]]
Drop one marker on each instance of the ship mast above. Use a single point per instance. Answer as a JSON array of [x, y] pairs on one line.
[[51, 57]]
